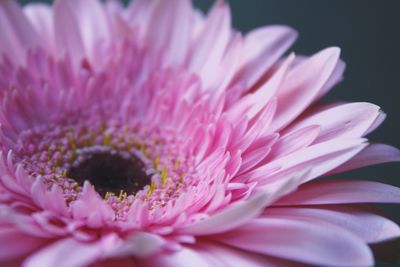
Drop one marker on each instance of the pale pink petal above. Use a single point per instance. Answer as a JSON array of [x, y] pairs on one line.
[[66, 32], [335, 78], [227, 256], [303, 85], [305, 241], [15, 243], [372, 154], [140, 244], [241, 212], [210, 46], [369, 227], [294, 141], [262, 48], [52, 200], [40, 15], [67, 251], [17, 32], [252, 103], [341, 192], [81, 28], [180, 258], [92, 208], [321, 158], [229, 218], [347, 120], [169, 29]]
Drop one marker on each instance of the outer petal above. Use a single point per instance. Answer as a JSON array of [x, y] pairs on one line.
[[226, 256], [341, 192], [180, 258], [369, 227], [17, 32], [323, 157], [169, 29], [81, 28], [372, 154], [308, 242], [303, 85], [40, 15], [212, 43], [67, 252], [243, 211], [348, 120], [16, 244], [262, 48]]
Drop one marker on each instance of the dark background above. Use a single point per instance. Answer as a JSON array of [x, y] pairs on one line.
[[368, 33]]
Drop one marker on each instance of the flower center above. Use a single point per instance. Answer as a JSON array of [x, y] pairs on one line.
[[110, 172], [125, 162]]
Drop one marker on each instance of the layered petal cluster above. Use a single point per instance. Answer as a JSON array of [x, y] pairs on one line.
[[156, 135]]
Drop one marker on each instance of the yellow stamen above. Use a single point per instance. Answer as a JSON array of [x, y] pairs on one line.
[[156, 162], [163, 175], [153, 186]]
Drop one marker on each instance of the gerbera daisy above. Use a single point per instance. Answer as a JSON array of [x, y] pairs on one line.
[[155, 135]]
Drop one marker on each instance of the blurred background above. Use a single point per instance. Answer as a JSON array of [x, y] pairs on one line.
[[368, 33]]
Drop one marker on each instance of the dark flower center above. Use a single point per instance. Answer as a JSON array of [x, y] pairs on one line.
[[111, 173]]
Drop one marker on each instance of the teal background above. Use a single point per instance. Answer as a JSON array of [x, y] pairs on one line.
[[368, 33]]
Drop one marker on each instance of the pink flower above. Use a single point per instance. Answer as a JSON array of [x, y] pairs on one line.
[[155, 135]]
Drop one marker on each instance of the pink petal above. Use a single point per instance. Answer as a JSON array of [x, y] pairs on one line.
[[303, 85], [341, 192], [17, 32], [321, 158], [222, 255], [252, 103], [262, 48], [305, 241], [40, 15], [51, 200], [210, 46], [140, 244], [369, 227], [229, 218], [169, 29], [372, 154], [294, 141], [335, 78], [16, 244], [90, 207], [341, 121], [81, 28], [67, 251], [241, 212], [67, 33], [179, 258]]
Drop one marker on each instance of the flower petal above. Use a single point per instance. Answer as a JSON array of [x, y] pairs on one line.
[[343, 121], [322, 157], [179, 258], [369, 227], [243, 211], [17, 32], [222, 255], [67, 251], [16, 244], [169, 29], [262, 48], [305, 241], [303, 85], [341, 192], [372, 154]]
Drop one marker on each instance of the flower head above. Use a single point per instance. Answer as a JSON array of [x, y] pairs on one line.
[[155, 135]]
